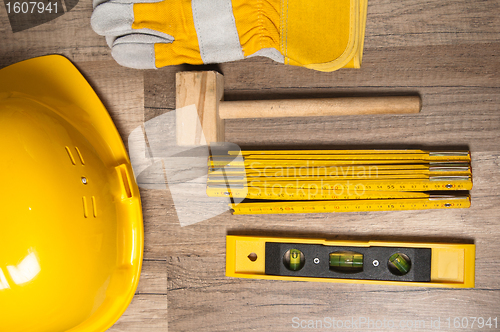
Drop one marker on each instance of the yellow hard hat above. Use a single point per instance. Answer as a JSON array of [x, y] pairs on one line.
[[71, 232]]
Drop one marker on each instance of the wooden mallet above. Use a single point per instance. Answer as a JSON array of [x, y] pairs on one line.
[[199, 103]]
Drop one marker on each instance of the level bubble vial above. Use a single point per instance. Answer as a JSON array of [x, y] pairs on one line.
[[399, 264], [294, 259], [346, 262]]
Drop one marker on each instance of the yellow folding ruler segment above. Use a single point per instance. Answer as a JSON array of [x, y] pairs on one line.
[[353, 205], [308, 194], [428, 168], [265, 159], [387, 184], [351, 152]]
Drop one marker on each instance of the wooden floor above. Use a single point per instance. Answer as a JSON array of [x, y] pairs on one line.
[[448, 51]]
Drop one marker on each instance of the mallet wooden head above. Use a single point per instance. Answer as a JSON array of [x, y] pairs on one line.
[[198, 94]]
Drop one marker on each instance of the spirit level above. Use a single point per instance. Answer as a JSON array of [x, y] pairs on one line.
[[373, 262]]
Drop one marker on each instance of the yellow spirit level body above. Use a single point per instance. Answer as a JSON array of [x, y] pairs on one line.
[[451, 265]]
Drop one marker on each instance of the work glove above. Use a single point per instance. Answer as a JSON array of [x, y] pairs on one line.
[[144, 34]]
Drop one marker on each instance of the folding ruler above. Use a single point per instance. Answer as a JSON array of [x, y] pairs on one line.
[[315, 181]]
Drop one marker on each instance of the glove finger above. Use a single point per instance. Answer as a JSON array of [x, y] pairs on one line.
[[115, 17], [112, 18], [110, 40], [144, 51], [96, 3], [137, 50]]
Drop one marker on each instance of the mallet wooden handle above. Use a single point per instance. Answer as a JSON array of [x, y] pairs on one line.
[[201, 110], [318, 107]]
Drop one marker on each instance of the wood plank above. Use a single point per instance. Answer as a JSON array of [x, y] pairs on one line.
[[159, 218], [146, 313], [197, 286], [477, 131], [431, 22], [121, 91], [153, 278], [148, 309]]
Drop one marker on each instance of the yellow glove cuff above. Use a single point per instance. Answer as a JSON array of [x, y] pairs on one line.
[[323, 35]]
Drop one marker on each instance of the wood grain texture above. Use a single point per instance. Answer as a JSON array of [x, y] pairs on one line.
[[445, 51], [148, 310], [198, 95], [120, 90], [145, 313], [313, 107]]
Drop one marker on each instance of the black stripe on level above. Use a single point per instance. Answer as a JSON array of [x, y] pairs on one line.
[[317, 264]]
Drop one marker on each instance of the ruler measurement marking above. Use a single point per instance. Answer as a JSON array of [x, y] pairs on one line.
[[349, 206]]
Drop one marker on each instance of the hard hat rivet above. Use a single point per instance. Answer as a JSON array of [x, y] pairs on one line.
[[316, 260], [84, 180], [375, 263]]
